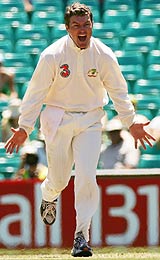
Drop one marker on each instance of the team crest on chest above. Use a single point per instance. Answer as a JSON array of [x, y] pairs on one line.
[[92, 73], [65, 72]]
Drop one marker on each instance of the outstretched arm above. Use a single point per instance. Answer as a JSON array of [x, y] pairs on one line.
[[138, 132], [16, 140]]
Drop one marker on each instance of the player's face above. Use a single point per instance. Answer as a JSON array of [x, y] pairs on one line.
[[80, 30]]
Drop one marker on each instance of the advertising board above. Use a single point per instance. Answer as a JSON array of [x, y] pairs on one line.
[[128, 213]]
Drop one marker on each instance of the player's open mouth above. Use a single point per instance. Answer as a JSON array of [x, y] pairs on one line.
[[82, 38]]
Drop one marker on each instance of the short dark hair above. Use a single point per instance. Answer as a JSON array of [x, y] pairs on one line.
[[76, 9]]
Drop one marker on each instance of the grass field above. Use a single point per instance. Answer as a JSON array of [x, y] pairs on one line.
[[108, 253]]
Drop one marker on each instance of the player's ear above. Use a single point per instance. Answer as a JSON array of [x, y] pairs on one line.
[[67, 27]]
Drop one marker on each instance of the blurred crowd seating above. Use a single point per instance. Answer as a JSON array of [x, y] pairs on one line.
[[130, 27]]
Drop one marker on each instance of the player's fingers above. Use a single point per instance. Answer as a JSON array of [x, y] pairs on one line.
[[142, 143], [147, 140], [13, 130], [10, 147], [136, 144], [151, 137], [7, 145], [10, 140], [17, 148], [147, 123]]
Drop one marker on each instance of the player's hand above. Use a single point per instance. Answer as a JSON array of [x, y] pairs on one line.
[[17, 139], [138, 133]]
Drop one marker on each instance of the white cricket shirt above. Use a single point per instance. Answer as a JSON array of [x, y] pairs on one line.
[[76, 80]]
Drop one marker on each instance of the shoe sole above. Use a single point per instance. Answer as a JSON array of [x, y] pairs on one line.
[[85, 253], [44, 220], [46, 223]]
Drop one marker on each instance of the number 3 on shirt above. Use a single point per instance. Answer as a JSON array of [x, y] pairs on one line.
[[65, 72]]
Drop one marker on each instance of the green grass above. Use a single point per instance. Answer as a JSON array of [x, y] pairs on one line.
[[108, 253]]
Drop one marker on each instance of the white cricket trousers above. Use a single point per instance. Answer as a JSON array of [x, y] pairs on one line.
[[77, 140]]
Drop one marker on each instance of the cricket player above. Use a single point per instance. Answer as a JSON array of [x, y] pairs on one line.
[[71, 78]]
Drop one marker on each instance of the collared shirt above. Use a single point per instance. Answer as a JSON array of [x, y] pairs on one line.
[[76, 80]]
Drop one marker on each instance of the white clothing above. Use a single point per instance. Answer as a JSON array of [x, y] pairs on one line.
[[51, 118], [76, 80], [80, 136], [73, 84]]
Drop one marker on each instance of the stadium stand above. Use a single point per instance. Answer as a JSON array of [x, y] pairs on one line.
[[131, 28], [22, 75], [31, 47], [147, 101], [106, 30], [57, 32], [151, 150], [149, 161], [14, 19], [22, 89], [119, 16], [6, 33], [32, 32], [149, 4], [147, 86], [132, 64], [93, 4], [122, 5], [149, 15], [139, 29], [129, 58], [48, 6], [153, 57], [49, 19], [8, 163], [114, 43], [6, 46], [153, 71], [12, 59], [142, 44], [3, 105], [11, 6]]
